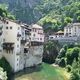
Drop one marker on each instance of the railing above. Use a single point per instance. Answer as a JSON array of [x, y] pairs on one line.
[[65, 39], [8, 46], [23, 41]]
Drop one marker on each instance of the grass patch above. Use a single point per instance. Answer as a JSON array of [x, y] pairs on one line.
[[47, 72]]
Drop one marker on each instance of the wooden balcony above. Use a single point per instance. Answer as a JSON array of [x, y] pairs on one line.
[[23, 41], [27, 32], [34, 43], [8, 46]]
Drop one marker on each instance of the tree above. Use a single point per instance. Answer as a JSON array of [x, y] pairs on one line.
[[6, 66], [72, 54], [78, 18], [68, 20], [69, 57], [62, 62], [3, 75], [75, 74], [3, 10], [75, 53], [62, 53], [50, 51], [5, 13]]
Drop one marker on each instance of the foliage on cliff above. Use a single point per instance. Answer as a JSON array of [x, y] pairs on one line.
[[54, 14], [58, 13], [50, 51], [3, 75], [5, 13], [6, 66], [69, 58]]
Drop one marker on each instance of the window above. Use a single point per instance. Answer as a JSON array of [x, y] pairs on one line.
[[17, 64], [17, 59], [22, 33], [17, 39], [51, 37], [0, 50], [11, 27], [40, 38], [35, 30], [6, 27], [7, 22], [3, 40], [75, 29], [17, 45], [33, 34]]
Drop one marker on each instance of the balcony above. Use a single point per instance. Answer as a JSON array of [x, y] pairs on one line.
[[27, 32], [8, 46], [34, 43], [23, 41]]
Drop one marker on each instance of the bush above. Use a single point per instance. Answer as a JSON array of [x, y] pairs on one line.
[[68, 67], [57, 61], [3, 75], [6, 66], [62, 62], [62, 53], [75, 76], [50, 52]]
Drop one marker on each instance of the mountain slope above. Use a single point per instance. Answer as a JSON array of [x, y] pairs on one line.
[[23, 9], [54, 14]]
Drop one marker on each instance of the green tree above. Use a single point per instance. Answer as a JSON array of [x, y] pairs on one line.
[[3, 74], [78, 18], [50, 52], [5, 13], [75, 74], [68, 20], [6, 66], [62, 53], [62, 62]]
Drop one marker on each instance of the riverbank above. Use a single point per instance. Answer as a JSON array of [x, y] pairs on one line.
[[45, 72]]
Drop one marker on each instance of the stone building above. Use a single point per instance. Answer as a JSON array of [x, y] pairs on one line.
[[20, 44], [71, 34]]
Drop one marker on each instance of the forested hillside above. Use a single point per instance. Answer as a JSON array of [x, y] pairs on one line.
[[51, 14], [57, 13]]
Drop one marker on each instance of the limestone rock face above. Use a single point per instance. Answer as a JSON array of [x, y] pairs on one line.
[[34, 57]]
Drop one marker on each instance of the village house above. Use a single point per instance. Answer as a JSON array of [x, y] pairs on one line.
[[20, 44], [70, 34]]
